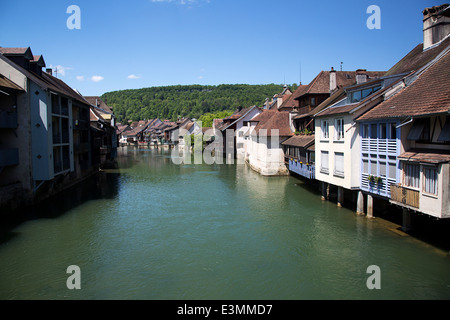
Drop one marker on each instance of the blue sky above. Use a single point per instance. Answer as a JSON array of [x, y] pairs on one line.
[[144, 43]]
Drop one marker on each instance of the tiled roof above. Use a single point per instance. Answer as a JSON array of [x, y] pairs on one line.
[[272, 119], [335, 97], [238, 114], [289, 103], [321, 83], [18, 51], [98, 102], [302, 141], [426, 156], [417, 58], [337, 110], [429, 94]]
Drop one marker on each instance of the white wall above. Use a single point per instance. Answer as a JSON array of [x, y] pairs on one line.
[[349, 146]]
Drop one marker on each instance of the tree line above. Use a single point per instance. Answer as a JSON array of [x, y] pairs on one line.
[[193, 101]]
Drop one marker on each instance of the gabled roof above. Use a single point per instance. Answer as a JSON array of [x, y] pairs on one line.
[[289, 103], [271, 120], [39, 60], [235, 117], [321, 83], [428, 95], [334, 98], [26, 52], [99, 103], [46, 81]]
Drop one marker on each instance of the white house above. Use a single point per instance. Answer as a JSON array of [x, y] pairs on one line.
[[264, 144]]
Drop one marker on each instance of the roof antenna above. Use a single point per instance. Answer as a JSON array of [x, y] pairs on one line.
[[341, 65]]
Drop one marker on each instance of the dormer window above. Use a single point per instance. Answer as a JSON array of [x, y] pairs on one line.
[[359, 95]]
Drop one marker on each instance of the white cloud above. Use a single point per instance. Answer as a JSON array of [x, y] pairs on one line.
[[133, 76], [97, 78], [80, 78], [60, 70], [200, 78]]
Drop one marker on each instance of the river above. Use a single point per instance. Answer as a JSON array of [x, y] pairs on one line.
[[155, 230]]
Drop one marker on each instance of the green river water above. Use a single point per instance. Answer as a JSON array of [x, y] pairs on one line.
[[156, 230]]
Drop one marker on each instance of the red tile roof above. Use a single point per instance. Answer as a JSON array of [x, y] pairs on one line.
[[302, 141], [18, 51], [289, 103], [321, 83], [271, 120], [417, 58], [426, 156], [98, 102], [429, 94]]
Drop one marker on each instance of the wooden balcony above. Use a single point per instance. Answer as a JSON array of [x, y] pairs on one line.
[[405, 196]]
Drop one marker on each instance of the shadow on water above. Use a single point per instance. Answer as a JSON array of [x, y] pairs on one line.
[[103, 185], [427, 229]]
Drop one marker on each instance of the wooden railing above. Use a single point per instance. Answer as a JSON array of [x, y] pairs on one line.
[[405, 196]]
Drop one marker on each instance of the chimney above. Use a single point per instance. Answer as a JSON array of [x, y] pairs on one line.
[[361, 76], [333, 83], [436, 24], [49, 71]]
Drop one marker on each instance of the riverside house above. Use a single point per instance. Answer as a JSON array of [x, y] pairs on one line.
[[304, 103], [420, 112], [414, 113], [264, 144], [48, 128], [238, 126]]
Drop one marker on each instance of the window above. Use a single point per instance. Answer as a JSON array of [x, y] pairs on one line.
[[325, 129], [411, 175], [383, 131], [366, 166], [339, 130], [373, 131], [339, 164], [393, 131], [313, 102], [365, 130], [430, 180], [392, 170], [324, 163], [359, 95]]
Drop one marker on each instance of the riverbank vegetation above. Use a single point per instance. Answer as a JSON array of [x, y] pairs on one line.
[[193, 101]]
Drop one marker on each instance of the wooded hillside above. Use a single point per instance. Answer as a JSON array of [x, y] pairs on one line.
[[172, 102]]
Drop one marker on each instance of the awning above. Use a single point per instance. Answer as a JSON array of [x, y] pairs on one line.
[[425, 156]]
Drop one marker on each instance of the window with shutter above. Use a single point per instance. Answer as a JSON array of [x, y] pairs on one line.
[[339, 164], [324, 163]]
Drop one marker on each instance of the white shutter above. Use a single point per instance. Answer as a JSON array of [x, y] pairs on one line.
[[324, 162], [339, 163]]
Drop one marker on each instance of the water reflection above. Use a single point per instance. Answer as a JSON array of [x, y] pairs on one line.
[[104, 185]]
